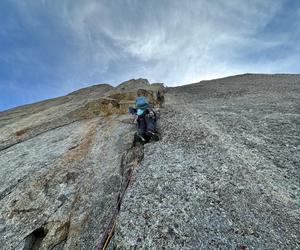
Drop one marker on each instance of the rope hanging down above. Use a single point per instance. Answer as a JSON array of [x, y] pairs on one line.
[[109, 231]]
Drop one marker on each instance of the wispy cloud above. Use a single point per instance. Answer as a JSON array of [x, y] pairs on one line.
[[58, 46]]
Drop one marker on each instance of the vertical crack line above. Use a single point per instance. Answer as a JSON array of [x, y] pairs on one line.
[[135, 154], [131, 158]]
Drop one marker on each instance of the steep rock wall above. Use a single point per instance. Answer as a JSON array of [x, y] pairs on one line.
[[225, 174], [63, 164]]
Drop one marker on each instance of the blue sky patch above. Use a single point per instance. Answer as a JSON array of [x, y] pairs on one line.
[[50, 48]]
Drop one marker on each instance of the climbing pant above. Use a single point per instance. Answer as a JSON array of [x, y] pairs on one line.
[[146, 123]]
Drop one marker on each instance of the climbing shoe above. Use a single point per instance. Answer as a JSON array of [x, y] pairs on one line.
[[142, 138], [153, 135]]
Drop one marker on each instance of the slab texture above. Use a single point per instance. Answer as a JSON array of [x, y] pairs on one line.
[[225, 174], [61, 167]]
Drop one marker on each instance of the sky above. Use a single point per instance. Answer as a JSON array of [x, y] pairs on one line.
[[49, 48]]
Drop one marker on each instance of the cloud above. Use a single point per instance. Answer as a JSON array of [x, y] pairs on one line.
[[65, 45]]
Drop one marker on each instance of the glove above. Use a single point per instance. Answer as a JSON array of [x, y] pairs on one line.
[[132, 110], [150, 114]]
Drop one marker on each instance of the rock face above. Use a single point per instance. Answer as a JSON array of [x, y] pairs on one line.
[[225, 174], [63, 163]]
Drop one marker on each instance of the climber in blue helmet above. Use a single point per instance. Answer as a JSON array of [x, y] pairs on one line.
[[146, 119]]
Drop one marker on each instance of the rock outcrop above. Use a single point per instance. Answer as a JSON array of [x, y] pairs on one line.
[[225, 174]]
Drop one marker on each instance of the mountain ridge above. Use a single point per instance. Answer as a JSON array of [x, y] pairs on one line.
[[109, 84]]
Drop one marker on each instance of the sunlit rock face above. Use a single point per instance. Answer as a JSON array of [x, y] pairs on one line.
[[224, 175], [62, 165]]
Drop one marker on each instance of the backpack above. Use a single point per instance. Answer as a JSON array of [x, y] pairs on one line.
[[141, 102]]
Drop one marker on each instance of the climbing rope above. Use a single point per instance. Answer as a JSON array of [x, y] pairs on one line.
[[110, 229]]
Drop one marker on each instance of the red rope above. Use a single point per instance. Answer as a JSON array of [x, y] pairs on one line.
[[109, 231]]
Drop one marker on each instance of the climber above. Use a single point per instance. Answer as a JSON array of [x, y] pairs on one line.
[[145, 118]]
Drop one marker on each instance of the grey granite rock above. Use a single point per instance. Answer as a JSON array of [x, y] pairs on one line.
[[225, 174], [63, 164]]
